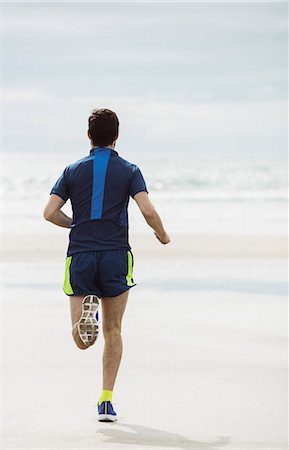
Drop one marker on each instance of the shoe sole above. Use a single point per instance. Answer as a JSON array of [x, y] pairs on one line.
[[88, 325], [106, 418]]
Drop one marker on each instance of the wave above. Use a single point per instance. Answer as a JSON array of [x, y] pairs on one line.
[[193, 181]]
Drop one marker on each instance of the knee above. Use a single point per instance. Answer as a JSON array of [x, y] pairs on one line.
[[81, 346], [112, 332]]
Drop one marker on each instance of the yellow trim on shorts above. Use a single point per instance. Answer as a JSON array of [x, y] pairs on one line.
[[129, 279], [66, 285]]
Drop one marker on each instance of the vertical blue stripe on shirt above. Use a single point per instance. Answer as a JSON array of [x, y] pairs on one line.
[[100, 162]]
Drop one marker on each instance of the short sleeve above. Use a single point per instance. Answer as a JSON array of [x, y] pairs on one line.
[[137, 183], [61, 187]]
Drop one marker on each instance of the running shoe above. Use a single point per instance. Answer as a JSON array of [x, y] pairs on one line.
[[106, 412], [88, 322]]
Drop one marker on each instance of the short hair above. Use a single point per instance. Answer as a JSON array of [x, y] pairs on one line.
[[103, 127]]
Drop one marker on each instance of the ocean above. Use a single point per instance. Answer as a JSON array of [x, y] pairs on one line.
[[193, 193]]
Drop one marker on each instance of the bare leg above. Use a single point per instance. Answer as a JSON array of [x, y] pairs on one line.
[[75, 311], [112, 313]]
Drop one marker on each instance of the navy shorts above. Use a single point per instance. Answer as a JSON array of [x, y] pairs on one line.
[[105, 273]]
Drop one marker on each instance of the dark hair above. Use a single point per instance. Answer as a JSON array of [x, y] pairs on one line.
[[103, 127]]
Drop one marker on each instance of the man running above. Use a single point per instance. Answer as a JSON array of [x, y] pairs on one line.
[[99, 262]]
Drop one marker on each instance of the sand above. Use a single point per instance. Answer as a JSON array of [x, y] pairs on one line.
[[53, 245], [205, 349]]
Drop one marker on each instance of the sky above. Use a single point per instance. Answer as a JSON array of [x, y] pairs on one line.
[[204, 77]]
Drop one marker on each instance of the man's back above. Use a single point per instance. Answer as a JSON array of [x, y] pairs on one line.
[[99, 186]]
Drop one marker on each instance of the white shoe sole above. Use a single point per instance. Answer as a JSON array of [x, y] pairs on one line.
[[106, 418], [88, 325]]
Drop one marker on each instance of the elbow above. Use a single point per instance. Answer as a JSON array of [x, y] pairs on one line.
[[47, 215], [149, 213]]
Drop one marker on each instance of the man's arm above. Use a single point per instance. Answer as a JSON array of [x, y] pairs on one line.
[[52, 212], [151, 216]]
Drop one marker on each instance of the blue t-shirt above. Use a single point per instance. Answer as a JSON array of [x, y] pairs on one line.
[[99, 187]]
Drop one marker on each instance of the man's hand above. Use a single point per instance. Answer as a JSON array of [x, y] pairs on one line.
[[164, 239]]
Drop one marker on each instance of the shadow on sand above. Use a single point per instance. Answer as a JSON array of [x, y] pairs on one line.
[[129, 434]]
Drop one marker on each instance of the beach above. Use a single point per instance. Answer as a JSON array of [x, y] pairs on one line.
[[200, 90], [205, 331], [52, 245], [205, 347]]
